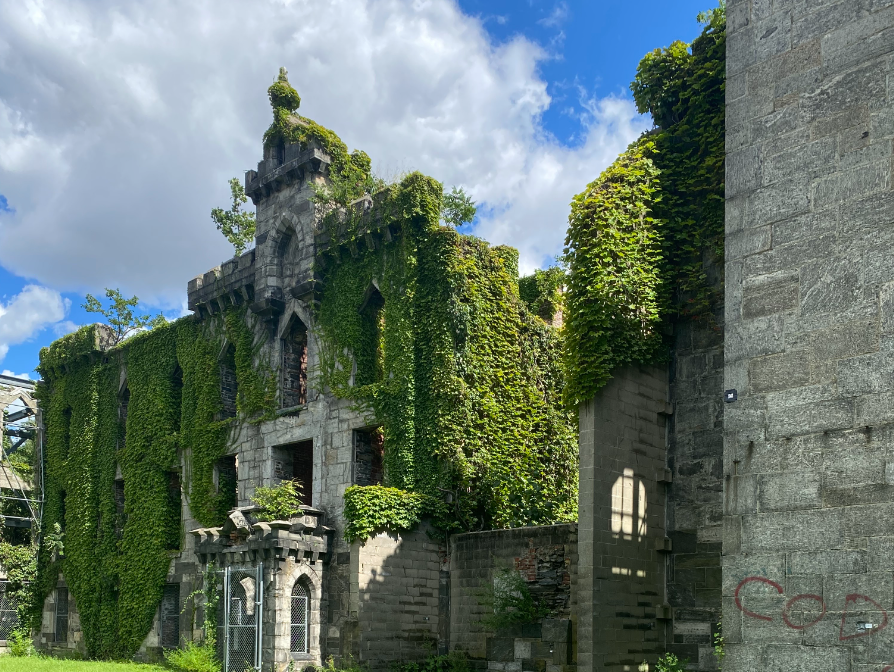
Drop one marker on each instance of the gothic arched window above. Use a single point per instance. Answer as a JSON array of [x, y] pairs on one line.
[[300, 618]]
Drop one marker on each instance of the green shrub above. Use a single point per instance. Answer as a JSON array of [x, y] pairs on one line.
[[20, 644], [279, 502], [670, 663], [509, 601], [452, 662], [194, 657]]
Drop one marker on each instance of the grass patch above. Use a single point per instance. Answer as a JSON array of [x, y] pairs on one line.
[[41, 664]]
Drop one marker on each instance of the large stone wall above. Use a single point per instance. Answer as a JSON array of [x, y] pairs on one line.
[[695, 497], [547, 559], [807, 576], [395, 592], [622, 521]]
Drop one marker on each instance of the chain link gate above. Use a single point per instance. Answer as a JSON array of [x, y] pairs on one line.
[[241, 615]]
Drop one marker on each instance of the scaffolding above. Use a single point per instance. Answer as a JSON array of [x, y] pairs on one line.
[[20, 422]]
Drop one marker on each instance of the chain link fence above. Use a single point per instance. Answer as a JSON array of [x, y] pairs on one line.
[[240, 614], [9, 611]]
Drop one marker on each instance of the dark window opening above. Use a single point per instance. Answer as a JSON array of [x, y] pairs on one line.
[[62, 512], [294, 365], [370, 354], [61, 633], [65, 430], [229, 386], [170, 616], [120, 515], [300, 618], [175, 507], [369, 456], [227, 481], [177, 396], [295, 461], [123, 407]]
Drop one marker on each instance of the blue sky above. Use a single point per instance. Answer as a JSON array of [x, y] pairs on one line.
[[112, 161]]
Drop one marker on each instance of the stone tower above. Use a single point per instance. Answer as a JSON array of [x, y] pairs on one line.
[[808, 537]]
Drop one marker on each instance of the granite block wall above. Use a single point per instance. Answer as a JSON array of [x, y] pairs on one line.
[[547, 559], [808, 445], [396, 595], [695, 496], [622, 540]]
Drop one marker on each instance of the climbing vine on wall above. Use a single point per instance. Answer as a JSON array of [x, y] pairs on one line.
[[643, 237], [469, 397], [171, 376]]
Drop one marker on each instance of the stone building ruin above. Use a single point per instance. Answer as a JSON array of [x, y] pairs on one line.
[[747, 479]]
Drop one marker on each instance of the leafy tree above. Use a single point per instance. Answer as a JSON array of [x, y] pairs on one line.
[[458, 208], [237, 226], [119, 315]]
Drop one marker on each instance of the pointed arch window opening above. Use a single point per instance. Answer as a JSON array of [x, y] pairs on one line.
[[370, 355], [294, 365], [300, 618]]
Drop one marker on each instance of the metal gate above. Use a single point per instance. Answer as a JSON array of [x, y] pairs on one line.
[[241, 613]]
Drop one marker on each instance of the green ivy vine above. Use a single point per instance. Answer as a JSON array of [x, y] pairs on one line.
[[643, 236], [173, 434], [468, 390]]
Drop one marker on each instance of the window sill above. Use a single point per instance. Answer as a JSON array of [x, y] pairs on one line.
[[290, 410]]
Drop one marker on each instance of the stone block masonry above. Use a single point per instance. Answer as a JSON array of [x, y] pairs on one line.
[[546, 557], [809, 493], [622, 544]]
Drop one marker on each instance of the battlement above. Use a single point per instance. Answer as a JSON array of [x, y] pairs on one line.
[[284, 167], [231, 283]]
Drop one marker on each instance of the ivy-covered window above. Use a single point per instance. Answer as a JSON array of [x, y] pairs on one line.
[[172, 538], [229, 385], [123, 406], [300, 618], [369, 456], [169, 616], [65, 429], [294, 365], [61, 631], [227, 477], [370, 353], [120, 515]]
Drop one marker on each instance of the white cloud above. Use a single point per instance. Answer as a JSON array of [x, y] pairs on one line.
[[25, 376], [27, 313], [64, 328], [122, 121]]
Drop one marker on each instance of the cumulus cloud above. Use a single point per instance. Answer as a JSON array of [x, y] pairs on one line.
[[25, 376], [121, 122], [27, 313]]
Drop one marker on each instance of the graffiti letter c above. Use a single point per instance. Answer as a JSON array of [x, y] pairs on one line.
[[759, 579]]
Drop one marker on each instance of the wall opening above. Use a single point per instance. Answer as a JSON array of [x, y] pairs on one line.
[[66, 432], [123, 407], [169, 616], [226, 477], [175, 511], [295, 461], [294, 364], [229, 385], [61, 625], [300, 618], [177, 396], [369, 456], [120, 514], [370, 355]]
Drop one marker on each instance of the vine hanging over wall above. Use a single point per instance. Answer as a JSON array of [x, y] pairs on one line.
[[642, 235]]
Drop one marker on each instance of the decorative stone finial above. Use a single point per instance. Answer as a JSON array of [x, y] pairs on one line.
[[282, 95]]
